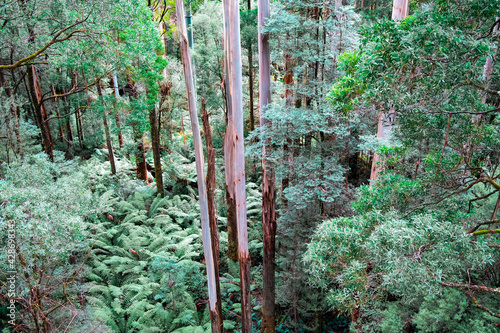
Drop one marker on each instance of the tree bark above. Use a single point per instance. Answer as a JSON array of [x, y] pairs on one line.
[[62, 123], [488, 70], [69, 129], [250, 85], [79, 129], [155, 141], [229, 157], [205, 223], [288, 82], [163, 32], [268, 187], [41, 112], [79, 115], [212, 207], [140, 156], [400, 9], [250, 79], [13, 113], [235, 140], [111, 155], [116, 92], [59, 125]]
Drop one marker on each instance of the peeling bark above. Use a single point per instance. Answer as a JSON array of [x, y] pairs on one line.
[[229, 157], [40, 111], [235, 141], [214, 227], [202, 192]]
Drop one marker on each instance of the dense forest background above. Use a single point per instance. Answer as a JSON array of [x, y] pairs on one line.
[[367, 199]]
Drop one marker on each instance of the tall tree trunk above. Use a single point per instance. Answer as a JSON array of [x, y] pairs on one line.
[[78, 114], [236, 140], [250, 85], [205, 223], [69, 130], [488, 66], [336, 36], [62, 123], [13, 113], [163, 31], [167, 85], [116, 92], [155, 141], [250, 79], [229, 157], [288, 82], [140, 155], [268, 187], [59, 123], [488, 70], [214, 227], [288, 79], [81, 135], [79, 130], [111, 155], [41, 112], [400, 10], [140, 152]]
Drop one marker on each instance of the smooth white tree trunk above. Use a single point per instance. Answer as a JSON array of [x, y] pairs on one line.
[[400, 9], [236, 140], [202, 190]]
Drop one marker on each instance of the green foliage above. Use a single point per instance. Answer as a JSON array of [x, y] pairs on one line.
[[49, 207], [373, 257], [143, 274], [412, 231], [451, 313]]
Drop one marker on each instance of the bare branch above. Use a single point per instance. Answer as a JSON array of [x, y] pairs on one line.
[[473, 287], [491, 29], [486, 232], [67, 114], [482, 223], [479, 306]]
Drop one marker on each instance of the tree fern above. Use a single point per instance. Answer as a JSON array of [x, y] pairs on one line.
[[143, 276]]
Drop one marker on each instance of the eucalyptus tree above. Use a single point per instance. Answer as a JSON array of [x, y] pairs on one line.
[[235, 139], [268, 187], [214, 303]]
